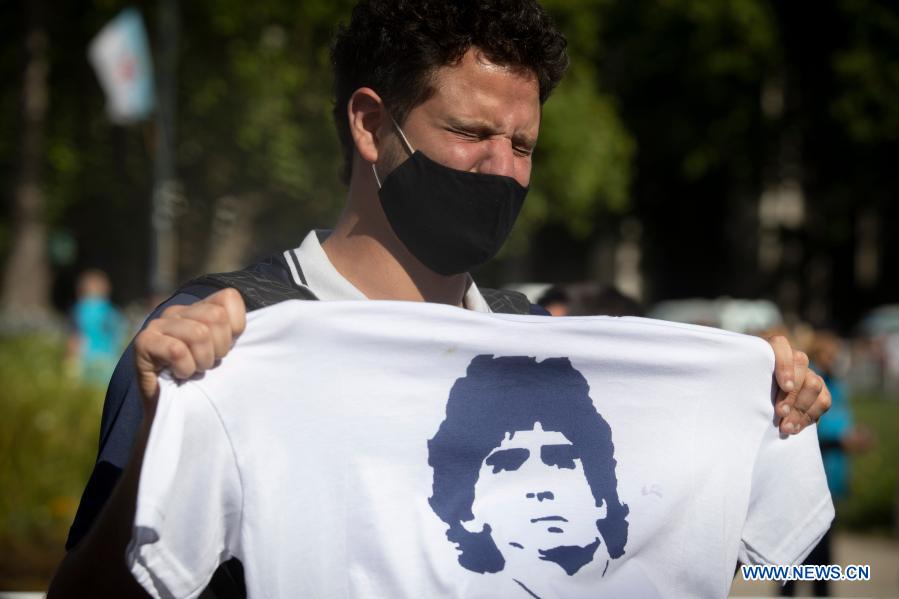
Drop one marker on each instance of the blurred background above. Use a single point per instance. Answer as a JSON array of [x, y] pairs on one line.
[[722, 162]]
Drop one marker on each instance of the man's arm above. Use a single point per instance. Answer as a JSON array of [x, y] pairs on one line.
[[95, 567], [186, 340]]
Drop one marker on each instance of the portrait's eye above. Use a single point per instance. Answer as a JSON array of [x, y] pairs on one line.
[[560, 456], [506, 460]]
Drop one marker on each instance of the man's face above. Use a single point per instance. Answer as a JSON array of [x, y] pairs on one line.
[[534, 495], [481, 118]]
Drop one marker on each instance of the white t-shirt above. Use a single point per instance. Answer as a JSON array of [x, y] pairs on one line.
[[388, 449]]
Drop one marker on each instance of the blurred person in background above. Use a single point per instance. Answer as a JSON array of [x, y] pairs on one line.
[[555, 300], [588, 299], [891, 363], [99, 328], [594, 299], [839, 436]]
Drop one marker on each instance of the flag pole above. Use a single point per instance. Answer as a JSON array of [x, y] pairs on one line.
[[166, 192]]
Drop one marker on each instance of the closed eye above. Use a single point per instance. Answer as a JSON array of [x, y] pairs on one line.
[[507, 460], [560, 456], [466, 134], [520, 149], [523, 151]]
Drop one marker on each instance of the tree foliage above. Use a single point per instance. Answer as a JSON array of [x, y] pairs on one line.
[[867, 69], [670, 110], [582, 166]]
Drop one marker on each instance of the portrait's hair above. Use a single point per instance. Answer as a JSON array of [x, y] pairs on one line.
[[505, 395], [394, 47]]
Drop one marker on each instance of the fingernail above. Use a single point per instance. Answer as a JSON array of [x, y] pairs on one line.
[[785, 409], [788, 386], [795, 427]]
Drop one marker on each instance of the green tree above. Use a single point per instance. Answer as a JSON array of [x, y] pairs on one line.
[[582, 166], [256, 116]]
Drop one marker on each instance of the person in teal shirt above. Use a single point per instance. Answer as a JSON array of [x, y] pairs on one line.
[[838, 436], [100, 328]]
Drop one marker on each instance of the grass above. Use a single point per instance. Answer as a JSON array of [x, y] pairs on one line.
[[871, 504], [48, 443]]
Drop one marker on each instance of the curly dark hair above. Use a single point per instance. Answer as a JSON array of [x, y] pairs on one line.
[[394, 46]]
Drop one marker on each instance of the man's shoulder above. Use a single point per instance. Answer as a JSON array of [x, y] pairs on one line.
[[506, 301], [269, 281], [261, 284]]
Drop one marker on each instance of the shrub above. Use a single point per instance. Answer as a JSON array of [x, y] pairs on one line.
[[48, 443], [872, 497]]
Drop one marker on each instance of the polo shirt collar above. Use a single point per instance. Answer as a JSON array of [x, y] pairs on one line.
[[310, 267]]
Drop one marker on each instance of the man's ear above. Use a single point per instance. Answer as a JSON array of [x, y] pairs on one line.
[[366, 115]]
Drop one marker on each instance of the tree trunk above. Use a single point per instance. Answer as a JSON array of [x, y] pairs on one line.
[[231, 236], [26, 283], [167, 193]]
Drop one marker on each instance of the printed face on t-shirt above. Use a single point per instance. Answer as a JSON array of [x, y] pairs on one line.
[[524, 471], [533, 494]]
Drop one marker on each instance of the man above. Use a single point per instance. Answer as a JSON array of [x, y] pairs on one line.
[[438, 102], [528, 432]]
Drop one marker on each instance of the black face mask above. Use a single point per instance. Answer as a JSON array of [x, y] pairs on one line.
[[451, 220]]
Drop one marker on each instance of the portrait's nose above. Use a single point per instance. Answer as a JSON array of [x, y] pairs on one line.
[[541, 496]]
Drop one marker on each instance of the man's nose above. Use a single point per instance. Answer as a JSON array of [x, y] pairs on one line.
[[499, 158], [541, 496]]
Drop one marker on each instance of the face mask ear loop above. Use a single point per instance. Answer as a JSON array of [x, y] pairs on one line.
[[375, 171], [403, 136], [405, 141]]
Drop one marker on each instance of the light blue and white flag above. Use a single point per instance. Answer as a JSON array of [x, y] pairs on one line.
[[121, 57]]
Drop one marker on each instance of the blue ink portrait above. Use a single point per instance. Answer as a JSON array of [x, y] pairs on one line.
[[524, 468]]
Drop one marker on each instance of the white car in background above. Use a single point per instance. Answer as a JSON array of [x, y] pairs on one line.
[[738, 315]]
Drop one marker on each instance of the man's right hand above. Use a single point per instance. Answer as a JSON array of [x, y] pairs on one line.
[[187, 340]]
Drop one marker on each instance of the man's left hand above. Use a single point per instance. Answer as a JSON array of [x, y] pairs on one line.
[[802, 396]]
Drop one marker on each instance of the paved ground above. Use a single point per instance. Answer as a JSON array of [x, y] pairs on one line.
[[881, 554]]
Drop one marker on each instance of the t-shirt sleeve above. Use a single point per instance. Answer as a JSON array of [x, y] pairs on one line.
[[790, 507], [187, 518], [122, 413]]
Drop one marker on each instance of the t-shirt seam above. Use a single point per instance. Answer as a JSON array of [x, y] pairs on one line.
[[240, 477], [168, 558], [693, 477], [790, 537], [104, 438], [641, 321], [669, 324], [755, 454]]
